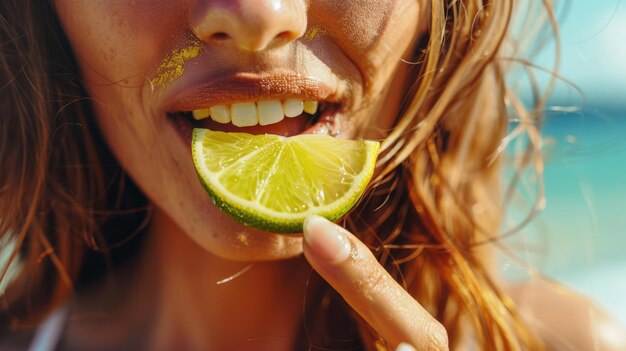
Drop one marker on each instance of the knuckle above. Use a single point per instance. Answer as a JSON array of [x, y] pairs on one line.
[[437, 337]]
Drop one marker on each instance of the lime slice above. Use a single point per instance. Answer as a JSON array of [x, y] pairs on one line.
[[273, 183]]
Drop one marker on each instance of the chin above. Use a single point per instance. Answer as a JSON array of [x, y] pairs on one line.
[[214, 232], [250, 245]]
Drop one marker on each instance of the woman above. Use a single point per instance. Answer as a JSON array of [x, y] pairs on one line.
[[113, 236]]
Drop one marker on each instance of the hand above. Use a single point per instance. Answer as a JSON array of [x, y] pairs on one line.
[[351, 269]]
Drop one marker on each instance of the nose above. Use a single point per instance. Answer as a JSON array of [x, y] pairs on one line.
[[251, 25]]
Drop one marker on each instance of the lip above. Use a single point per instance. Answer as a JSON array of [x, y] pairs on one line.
[[244, 87]]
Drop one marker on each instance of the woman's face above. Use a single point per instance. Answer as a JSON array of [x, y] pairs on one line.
[[146, 61]]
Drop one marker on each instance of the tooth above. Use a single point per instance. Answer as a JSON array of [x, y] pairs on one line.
[[293, 107], [270, 112], [200, 114], [244, 114], [310, 106], [220, 113]]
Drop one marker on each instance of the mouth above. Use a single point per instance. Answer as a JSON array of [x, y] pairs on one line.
[[291, 116], [280, 104]]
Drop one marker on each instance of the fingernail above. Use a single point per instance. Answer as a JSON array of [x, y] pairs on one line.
[[405, 347], [326, 240]]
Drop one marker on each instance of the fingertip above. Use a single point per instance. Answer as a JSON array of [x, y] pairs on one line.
[[310, 222], [405, 347], [325, 240], [438, 337]]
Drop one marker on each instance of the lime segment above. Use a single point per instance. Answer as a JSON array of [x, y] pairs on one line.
[[273, 183]]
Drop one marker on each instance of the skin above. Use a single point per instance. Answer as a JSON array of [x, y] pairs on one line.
[[170, 298], [120, 46]]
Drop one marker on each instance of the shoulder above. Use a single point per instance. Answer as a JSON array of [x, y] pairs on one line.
[[565, 319]]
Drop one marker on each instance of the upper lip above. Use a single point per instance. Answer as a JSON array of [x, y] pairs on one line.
[[250, 88]]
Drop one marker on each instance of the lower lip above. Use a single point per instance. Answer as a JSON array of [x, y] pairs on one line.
[[326, 124]]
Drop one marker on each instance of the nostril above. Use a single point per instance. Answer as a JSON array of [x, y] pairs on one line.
[[219, 36], [250, 25], [284, 37]]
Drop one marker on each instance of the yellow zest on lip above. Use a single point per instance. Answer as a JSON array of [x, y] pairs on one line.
[[173, 65], [313, 32]]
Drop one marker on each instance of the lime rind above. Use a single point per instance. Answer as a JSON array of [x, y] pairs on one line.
[[252, 213]]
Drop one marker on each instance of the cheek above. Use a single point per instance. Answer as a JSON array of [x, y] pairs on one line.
[[118, 45], [395, 42], [377, 36], [371, 32], [119, 41], [360, 24]]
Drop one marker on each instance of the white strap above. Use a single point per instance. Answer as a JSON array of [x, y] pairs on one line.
[[49, 332]]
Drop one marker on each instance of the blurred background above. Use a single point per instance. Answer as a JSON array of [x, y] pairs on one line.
[[580, 237]]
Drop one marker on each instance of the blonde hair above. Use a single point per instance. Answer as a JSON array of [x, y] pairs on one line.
[[60, 188], [437, 198], [437, 194]]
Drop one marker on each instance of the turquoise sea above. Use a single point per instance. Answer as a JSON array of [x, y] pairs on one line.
[[580, 236]]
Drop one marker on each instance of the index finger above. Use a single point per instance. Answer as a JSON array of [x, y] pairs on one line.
[[350, 267]]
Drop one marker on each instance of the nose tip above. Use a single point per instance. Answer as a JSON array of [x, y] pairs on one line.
[[251, 25]]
